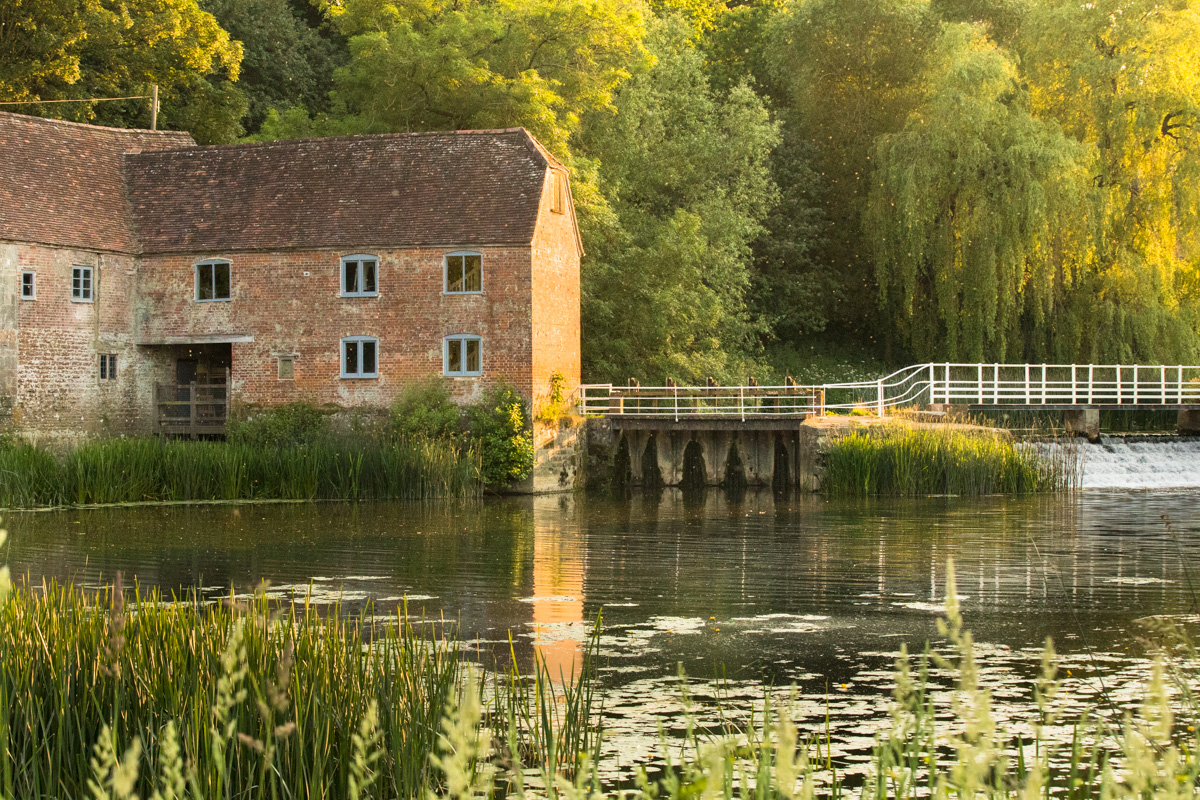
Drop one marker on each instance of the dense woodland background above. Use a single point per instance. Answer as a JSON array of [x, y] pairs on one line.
[[821, 188]]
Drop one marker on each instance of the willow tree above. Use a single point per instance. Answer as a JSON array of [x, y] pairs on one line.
[[971, 211], [1123, 77], [849, 72]]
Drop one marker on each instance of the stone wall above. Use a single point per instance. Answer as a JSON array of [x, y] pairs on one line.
[[50, 345]]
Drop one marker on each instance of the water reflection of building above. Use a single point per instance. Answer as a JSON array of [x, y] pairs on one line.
[[559, 560]]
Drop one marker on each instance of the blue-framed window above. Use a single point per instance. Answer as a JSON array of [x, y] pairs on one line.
[[360, 276], [82, 285], [213, 281], [360, 357], [463, 356], [463, 273]]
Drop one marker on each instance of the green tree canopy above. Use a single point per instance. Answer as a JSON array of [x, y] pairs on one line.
[[686, 174], [970, 211], [287, 61], [849, 72], [113, 48], [454, 64]]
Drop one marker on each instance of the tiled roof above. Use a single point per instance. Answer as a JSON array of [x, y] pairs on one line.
[[409, 189], [61, 183]]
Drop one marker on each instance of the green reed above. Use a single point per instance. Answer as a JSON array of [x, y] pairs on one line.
[[103, 699], [134, 470], [902, 461], [246, 700]]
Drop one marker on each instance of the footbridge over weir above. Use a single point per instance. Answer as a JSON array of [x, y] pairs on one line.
[[710, 434]]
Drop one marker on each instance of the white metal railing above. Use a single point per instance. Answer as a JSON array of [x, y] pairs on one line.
[[1029, 385]]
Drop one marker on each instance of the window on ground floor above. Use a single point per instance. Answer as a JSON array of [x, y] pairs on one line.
[[360, 276], [28, 285], [81, 284], [287, 368], [360, 357], [108, 366], [212, 281], [463, 355]]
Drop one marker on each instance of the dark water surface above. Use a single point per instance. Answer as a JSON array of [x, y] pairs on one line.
[[743, 594]]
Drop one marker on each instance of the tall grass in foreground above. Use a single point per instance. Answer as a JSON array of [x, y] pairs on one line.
[[132, 470], [239, 701], [901, 461], [233, 704]]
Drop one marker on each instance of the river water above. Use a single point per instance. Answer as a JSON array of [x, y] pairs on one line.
[[742, 593]]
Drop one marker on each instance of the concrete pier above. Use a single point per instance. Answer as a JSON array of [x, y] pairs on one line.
[[1084, 422], [1188, 421]]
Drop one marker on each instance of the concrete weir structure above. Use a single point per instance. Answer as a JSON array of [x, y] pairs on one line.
[[652, 451]]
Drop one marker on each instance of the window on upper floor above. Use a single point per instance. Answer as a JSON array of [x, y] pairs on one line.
[[360, 276], [108, 366], [212, 281], [81, 285], [464, 273], [463, 355], [28, 285], [558, 191], [360, 357]]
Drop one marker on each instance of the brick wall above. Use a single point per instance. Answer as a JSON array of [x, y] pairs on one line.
[[283, 303], [290, 304], [55, 343], [556, 328]]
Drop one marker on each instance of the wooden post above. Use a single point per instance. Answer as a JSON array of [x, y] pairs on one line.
[[154, 107], [879, 397], [192, 410]]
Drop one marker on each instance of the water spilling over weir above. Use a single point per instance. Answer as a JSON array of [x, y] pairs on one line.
[[1141, 462]]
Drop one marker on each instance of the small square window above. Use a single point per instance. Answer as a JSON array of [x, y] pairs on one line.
[[360, 276], [212, 281], [28, 285], [463, 356], [360, 357], [287, 368], [464, 273], [81, 284], [108, 366]]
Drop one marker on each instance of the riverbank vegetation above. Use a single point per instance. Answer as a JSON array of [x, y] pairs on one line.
[[897, 460], [1021, 181], [141, 470], [105, 696], [423, 448]]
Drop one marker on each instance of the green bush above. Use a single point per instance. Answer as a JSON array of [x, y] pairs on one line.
[[425, 411], [500, 431], [284, 425]]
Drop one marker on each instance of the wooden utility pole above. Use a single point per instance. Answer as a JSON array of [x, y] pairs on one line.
[[154, 106]]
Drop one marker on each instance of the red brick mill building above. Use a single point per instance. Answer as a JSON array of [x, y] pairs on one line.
[[335, 271]]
